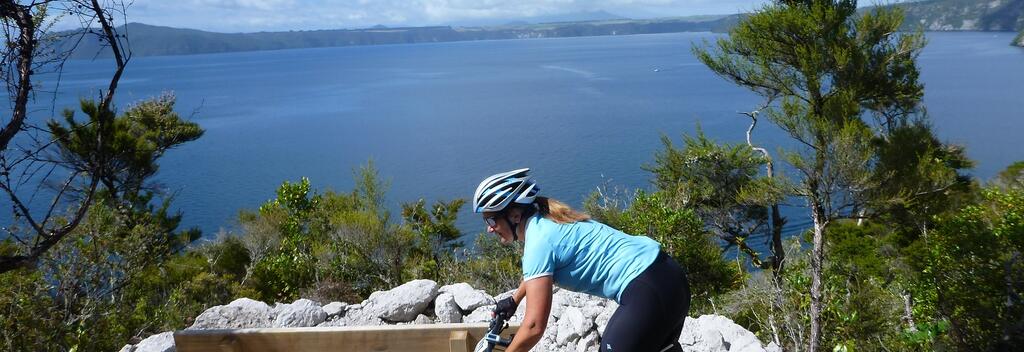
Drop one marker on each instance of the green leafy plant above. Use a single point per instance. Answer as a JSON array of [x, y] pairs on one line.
[[682, 236]]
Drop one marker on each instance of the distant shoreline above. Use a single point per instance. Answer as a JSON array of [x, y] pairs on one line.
[[150, 40], [140, 48], [147, 40]]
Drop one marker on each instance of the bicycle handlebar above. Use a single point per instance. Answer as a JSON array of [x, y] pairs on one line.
[[493, 337]]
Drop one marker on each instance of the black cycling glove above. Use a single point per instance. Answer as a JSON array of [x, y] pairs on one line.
[[506, 307]]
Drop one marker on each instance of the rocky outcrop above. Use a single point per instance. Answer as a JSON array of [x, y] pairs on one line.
[[576, 322], [301, 313], [334, 309], [446, 310], [958, 15], [717, 333], [239, 314], [162, 342], [468, 298], [402, 303], [1020, 40]]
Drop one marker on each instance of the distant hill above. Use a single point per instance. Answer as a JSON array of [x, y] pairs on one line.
[[148, 40], [965, 15], [584, 16]]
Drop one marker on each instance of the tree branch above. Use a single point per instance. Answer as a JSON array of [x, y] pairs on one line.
[[26, 45]]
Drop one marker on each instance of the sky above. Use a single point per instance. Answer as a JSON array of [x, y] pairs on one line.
[[283, 15]]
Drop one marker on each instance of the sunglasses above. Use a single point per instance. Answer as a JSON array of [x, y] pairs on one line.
[[489, 221]]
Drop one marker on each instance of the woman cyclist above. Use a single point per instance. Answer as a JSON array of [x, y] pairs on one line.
[[565, 247]]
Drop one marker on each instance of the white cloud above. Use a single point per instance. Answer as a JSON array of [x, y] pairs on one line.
[[264, 5]]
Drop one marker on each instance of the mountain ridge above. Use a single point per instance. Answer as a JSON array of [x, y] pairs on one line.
[[151, 40], [583, 16], [964, 15]]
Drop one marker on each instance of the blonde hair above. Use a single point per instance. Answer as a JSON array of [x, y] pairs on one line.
[[559, 212]]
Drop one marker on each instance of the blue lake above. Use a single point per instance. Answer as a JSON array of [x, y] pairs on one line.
[[437, 118]]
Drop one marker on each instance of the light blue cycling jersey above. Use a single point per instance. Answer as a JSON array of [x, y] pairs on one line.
[[586, 256]]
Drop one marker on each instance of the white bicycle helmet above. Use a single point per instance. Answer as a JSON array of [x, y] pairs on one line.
[[497, 191]]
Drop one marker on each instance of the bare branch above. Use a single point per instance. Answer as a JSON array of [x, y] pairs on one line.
[[25, 52], [115, 48], [22, 209], [25, 47]]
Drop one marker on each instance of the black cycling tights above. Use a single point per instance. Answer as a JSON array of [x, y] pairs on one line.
[[652, 311]]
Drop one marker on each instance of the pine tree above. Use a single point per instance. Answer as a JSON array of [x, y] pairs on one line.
[[842, 81]]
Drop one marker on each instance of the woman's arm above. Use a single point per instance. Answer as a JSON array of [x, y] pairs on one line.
[[519, 293], [538, 293]]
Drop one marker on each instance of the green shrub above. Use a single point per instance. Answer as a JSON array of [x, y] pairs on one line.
[[861, 312], [490, 266], [343, 246], [973, 273], [682, 236]]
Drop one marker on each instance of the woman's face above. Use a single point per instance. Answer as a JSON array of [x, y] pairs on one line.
[[496, 224]]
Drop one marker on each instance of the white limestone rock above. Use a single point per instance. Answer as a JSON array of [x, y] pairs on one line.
[[239, 314], [301, 313], [549, 339], [558, 303], [162, 342], [423, 319], [467, 297], [546, 345], [402, 303], [602, 318], [702, 341], [576, 299], [714, 333], [446, 310], [479, 315], [355, 317], [565, 298], [576, 323], [589, 343], [335, 309], [571, 326], [591, 311]]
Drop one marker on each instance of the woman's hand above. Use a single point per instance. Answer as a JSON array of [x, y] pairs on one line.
[[506, 306]]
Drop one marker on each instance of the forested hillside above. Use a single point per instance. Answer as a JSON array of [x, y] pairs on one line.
[[965, 15], [150, 40]]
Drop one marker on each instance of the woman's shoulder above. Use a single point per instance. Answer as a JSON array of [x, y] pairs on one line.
[[541, 227], [536, 224], [545, 227]]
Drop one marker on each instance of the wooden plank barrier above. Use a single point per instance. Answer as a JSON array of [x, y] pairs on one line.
[[418, 338]]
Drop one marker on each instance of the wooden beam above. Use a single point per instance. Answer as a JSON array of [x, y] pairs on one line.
[[459, 341], [418, 338]]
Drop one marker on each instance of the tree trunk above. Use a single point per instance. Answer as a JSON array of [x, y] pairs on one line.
[[778, 251], [26, 47], [908, 311], [817, 259], [777, 221]]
